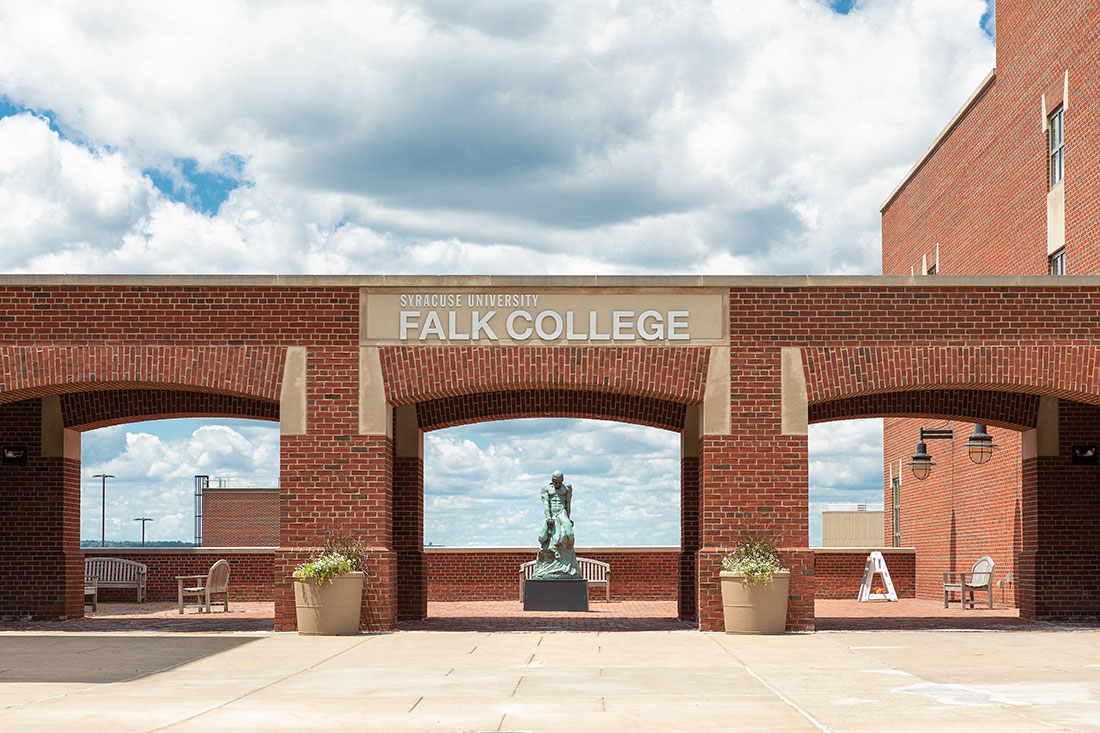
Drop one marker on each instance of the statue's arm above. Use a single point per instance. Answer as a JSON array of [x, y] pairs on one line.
[[568, 501], [545, 496]]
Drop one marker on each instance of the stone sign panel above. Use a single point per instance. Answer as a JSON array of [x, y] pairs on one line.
[[487, 317]]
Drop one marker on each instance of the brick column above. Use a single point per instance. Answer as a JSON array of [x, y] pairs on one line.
[[334, 478], [408, 515], [690, 450], [1059, 562], [755, 477], [41, 565]]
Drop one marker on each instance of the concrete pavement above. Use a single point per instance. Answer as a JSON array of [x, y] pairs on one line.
[[681, 680]]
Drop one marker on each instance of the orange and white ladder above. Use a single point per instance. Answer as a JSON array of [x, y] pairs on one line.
[[876, 565]]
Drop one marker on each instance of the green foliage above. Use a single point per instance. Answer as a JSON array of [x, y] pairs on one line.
[[754, 557], [341, 554]]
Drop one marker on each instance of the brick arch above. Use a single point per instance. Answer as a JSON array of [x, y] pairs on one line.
[[1068, 372], [448, 412], [38, 371], [421, 374], [1012, 410], [98, 409]]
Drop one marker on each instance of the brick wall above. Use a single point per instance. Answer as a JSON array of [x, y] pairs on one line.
[[251, 571], [839, 571], [240, 518], [483, 574]]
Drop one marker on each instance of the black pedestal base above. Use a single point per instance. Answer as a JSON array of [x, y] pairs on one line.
[[555, 595]]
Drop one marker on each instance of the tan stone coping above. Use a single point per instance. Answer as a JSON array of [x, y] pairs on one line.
[[866, 550], [579, 550], [179, 550], [546, 282]]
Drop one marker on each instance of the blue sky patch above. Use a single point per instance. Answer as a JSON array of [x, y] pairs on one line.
[[203, 191], [842, 6]]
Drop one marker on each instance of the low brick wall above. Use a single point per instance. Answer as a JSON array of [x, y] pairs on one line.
[[251, 570], [492, 574], [839, 570]]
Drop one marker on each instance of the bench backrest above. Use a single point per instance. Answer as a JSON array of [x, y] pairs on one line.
[[592, 570], [981, 572], [113, 569]]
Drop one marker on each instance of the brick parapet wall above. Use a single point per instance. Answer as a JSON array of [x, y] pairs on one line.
[[483, 574], [839, 571], [251, 570]]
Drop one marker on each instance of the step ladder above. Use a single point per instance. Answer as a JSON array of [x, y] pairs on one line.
[[876, 565]]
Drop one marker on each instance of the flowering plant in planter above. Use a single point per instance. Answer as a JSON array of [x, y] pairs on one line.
[[756, 558], [328, 588], [341, 554]]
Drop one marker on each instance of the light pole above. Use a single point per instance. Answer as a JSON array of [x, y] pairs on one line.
[[103, 510], [143, 520]]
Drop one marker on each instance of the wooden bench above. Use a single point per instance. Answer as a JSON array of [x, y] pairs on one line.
[[596, 572], [115, 572]]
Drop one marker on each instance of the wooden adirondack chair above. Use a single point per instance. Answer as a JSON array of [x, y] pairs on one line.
[[204, 586], [980, 577]]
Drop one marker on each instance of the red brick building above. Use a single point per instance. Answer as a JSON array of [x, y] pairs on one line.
[[357, 369], [1009, 187]]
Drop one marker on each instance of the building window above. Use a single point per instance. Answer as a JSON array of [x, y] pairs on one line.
[[897, 511], [1057, 143], [1058, 262], [932, 270]]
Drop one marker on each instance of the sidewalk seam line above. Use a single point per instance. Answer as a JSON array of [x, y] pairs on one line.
[[774, 690]]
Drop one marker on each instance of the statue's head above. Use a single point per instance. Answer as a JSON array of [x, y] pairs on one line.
[[557, 477]]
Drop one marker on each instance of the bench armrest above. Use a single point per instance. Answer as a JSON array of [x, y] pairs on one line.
[[190, 577]]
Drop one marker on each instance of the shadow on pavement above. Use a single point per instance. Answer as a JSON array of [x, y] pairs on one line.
[[101, 659]]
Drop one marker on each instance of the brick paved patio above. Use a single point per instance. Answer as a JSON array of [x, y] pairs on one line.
[[832, 615], [159, 616]]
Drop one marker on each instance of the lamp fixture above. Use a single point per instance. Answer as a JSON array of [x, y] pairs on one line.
[[979, 447]]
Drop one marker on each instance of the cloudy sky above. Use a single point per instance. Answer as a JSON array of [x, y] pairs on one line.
[[500, 136]]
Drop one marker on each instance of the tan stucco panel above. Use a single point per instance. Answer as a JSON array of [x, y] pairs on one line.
[[292, 398], [375, 415], [1043, 440], [409, 438], [57, 440], [795, 415], [716, 401], [577, 316]]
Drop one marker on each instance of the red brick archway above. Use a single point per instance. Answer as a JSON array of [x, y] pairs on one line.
[[456, 386], [37, 371], [1070, 372]]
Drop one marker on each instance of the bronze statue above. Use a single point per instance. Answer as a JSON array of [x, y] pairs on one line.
[[557, 559]]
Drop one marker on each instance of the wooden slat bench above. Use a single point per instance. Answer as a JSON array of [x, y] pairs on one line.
[[115, 572], [596, 572]]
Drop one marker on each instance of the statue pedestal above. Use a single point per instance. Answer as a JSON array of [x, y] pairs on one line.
[[555, 595]]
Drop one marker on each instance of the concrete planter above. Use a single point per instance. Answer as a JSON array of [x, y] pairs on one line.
[[757, 609], [329, 609]]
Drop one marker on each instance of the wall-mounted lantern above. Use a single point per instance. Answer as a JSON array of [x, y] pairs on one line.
[[979, 447], [13, 455]]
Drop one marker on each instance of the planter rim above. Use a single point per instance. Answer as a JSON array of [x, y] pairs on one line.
[[731, 574], [353, 574]]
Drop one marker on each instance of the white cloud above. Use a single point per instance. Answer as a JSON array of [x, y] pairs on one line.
[[154, 475], [495, 137], [482, 482]]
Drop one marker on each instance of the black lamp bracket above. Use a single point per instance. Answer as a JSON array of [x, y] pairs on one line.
[[936, 434]]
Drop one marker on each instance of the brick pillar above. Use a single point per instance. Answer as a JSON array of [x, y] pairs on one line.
[[408, 515], [690, 449], [754, 476], [41, 565], [1059, 563], [337, 476]]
